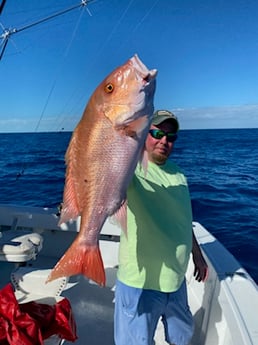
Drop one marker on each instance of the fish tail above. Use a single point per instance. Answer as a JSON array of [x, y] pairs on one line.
[[80, 259]]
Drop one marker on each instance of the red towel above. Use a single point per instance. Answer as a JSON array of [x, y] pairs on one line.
[[30, 323]]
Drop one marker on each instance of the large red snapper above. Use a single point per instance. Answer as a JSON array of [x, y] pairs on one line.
[[101, 158]]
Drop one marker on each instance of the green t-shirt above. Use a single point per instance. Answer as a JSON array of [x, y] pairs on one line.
[[155, 252]]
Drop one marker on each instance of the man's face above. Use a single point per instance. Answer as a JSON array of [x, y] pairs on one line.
[[159, 149]]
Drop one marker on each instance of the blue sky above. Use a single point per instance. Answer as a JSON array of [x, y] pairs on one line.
[[205, 51]]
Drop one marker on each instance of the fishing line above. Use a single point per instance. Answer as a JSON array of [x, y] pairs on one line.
[[57, 14], [114, 29], [83, 3], [75, 102], [117, 24], [107, 41], [141, 21], [58, 71], [7, 33], [145, 16]]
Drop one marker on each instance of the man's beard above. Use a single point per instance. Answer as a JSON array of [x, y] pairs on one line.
[[159, 158]]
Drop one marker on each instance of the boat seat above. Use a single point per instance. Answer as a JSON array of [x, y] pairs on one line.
[[19, 246], [30, 285]]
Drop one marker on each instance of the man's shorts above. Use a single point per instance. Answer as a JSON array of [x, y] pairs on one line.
[[137, 312]]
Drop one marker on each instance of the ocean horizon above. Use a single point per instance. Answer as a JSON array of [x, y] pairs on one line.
[[71, 131]]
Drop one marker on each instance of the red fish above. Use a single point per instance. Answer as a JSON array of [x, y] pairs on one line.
[[101, 158]]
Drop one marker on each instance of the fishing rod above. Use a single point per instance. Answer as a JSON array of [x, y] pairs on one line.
[[7, 33]]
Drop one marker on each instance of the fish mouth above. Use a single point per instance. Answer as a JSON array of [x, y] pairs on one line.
[[142, 71]]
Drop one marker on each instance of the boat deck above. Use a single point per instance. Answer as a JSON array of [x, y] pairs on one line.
[[223, 315], [92, 305]]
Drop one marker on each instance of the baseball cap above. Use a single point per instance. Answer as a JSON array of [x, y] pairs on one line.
[[160, 116]]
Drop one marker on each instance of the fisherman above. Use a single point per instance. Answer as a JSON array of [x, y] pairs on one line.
[[154, 253]]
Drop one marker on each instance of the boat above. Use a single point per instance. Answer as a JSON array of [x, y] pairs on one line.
[[224, 307], [31, 242]]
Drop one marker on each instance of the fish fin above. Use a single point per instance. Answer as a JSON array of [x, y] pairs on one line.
[[133, 128], [137, 125], [80, 259], [70, 209], [120, 217], [144, 161]]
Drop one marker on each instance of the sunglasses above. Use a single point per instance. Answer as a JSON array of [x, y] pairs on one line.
[[159, 134]]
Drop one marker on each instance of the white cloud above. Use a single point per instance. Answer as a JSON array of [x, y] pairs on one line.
[[244, 116], [47, 124], [17, 125]]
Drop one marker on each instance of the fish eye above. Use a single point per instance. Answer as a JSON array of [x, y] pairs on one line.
[[109, 88]]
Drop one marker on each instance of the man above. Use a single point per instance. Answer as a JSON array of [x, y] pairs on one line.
[[154, 253]]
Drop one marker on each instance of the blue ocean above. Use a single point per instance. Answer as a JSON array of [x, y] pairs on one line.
[[221, 166]]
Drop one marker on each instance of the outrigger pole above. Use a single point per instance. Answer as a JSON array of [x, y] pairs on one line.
[[2, 5], [7, 33]]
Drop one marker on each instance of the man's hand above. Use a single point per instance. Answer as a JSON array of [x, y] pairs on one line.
[[201, 270]]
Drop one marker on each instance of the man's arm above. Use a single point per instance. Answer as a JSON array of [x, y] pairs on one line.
[[201, 270]]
